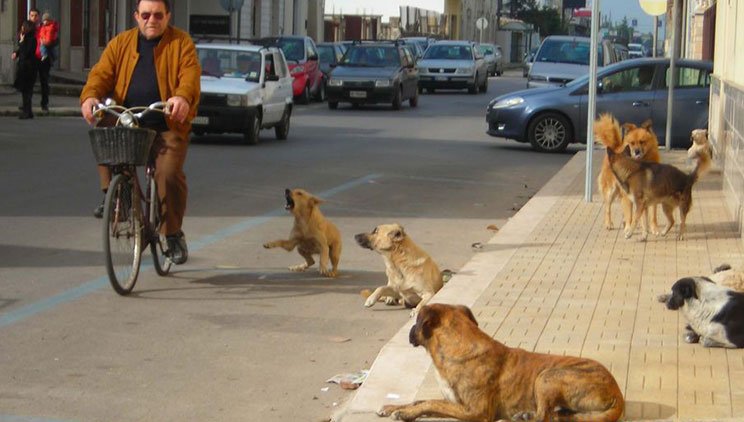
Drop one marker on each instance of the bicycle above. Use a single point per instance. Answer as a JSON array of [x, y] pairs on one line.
[[131, 217]]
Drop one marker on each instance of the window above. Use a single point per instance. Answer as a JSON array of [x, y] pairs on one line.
[[279, 65], [449, 52], [633, 79], [689, 77]]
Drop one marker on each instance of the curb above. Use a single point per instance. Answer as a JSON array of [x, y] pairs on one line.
[[53, 112], [400, 368]]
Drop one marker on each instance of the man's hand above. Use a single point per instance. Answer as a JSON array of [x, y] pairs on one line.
[[179, 108], [87, 110], [13, 56]]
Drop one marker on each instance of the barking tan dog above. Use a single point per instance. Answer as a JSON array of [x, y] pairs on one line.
[[484, 380], [700, 144], [311, 233], [413, 276], [643, 144]]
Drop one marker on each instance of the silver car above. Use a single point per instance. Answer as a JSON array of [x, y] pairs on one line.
[[453, 65], [562, 58], [632, 90], [494, 58]]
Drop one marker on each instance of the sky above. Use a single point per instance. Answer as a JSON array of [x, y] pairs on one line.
[[616, 8]]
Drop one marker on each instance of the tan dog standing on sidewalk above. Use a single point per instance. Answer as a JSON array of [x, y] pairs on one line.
[[413, 277], [312, 234], [483, 380]]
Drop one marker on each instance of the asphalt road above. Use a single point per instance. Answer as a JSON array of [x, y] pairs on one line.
[[232, 334]]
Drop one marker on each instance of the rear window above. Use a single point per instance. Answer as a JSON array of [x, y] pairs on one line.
[[689, 77], [486, 49], [230, 63], [293, 49], [327, 54], [566, 51]]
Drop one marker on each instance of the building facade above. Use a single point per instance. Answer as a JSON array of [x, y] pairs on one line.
[[86, 26]]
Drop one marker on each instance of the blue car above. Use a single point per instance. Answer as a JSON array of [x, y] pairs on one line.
[[632, 90]]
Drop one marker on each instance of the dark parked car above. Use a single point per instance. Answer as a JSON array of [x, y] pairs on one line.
[[302, 57], [373, 73], [632, 90], [330, 53]]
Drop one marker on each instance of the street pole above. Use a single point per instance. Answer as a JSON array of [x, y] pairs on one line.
[[672, 73], [592, 109], [656, 35]]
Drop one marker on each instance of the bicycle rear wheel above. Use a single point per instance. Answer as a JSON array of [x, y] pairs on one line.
[[158, 244], [122, 233]]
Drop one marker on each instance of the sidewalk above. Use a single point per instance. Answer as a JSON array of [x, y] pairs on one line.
[[59, 105], [553, 280]]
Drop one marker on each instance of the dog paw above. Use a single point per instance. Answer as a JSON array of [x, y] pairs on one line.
[[325, 272], [628, 234], [391, 301], [298, 268], [387, 410], [370, 302], [268, 245], [681, 236], [643, 238], [414, 312], [523, 416], [609, 226]]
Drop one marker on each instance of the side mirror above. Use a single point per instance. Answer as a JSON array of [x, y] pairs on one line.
[[272, 78]]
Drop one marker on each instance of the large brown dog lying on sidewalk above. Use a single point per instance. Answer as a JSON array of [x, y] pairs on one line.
[[484, 380], [413, 277], [311, 233]]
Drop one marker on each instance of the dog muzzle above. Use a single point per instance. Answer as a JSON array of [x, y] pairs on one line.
[[363, 240], [290, 202], [412, 337]]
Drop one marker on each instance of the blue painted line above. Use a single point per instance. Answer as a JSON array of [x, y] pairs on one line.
[[74, 293]]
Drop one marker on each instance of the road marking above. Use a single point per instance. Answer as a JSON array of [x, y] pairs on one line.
[[12, 418], [86, 288]]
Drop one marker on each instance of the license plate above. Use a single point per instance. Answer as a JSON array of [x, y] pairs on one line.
[[358, 94], [200, 120], [441, 78]]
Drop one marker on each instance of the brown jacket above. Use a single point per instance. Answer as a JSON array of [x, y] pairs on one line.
[[176, 64]]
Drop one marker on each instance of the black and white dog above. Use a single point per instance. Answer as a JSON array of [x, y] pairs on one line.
[[714, 313]]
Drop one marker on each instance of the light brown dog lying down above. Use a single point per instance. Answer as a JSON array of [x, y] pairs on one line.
[[484, 380], [413, 277], [312, 234]]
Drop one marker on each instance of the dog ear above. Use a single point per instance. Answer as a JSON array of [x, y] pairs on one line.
[[428, 322], [686, 287], [314, 200], [647, 124], [626, 151], [398, 234], [627, 127], [468, 313]]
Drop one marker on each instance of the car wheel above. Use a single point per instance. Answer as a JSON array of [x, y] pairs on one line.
[[413, 101], [549, 132], [282, 129], [397, 99], [473, 89], [305, 96], [321, 95], [333, 105], [253, 130]]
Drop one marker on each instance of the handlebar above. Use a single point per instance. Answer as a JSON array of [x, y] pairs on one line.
[[129, 117]]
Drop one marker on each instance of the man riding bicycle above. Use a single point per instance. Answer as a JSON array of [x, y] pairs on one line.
[[153, 62]]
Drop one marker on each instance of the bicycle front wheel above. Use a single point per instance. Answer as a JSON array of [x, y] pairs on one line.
[[122, 233], [158, 244]]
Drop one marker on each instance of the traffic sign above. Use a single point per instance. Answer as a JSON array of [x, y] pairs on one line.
[[481, 23]]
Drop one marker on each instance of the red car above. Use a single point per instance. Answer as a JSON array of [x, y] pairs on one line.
[[302, 59]]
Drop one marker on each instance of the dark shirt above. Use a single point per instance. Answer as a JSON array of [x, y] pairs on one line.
[[143, 87]]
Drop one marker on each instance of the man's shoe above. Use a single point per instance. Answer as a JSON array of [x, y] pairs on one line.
[[177, 250], [25, 116], [98, 211]]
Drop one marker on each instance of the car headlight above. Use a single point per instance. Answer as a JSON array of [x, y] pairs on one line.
[[507, 102], [335, 82], [382, 83], [464, 70], [297, 69], [234, 100]]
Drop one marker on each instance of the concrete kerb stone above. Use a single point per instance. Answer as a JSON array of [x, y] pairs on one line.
[[53, 112], [399, 370]]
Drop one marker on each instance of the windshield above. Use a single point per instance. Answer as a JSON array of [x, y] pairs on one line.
[[371, 56], [566, 51], [449, 52], [486, 49], [326, 54], [230, 63], [293, 49]]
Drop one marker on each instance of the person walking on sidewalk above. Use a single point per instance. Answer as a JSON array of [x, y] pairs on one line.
[[149, 63], [43, 67], [26, 67]]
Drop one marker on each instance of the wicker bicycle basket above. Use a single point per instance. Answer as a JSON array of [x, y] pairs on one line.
[[121, 145]]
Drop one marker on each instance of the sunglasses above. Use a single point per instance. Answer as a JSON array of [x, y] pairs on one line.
[[158, 16]]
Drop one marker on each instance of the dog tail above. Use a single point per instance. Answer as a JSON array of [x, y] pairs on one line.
[[611, 414], [607, 132], [722, 267]]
